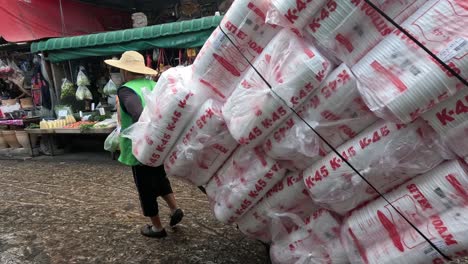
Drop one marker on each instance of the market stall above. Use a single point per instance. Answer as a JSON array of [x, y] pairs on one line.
[[86, 87]]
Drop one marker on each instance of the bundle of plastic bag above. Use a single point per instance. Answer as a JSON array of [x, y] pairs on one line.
[[203, 147], [335, 110], [386, 154], [450, 121], [293, 68], [169, 107], [241, 182], [241, 37], [399, 80], [82, 79], [435, 203], [83, 93], [315, 240], [110, 88], [293, 14], [287, 196], [351, 28]]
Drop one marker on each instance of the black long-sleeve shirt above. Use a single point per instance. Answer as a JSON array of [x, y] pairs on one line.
[[130, 103]]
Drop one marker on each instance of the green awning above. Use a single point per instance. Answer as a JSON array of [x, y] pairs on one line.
[[185, 34]]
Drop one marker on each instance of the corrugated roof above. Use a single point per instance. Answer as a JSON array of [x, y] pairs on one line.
[[127, 35]]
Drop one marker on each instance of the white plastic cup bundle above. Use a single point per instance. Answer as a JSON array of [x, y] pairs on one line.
[[293, 68], [441, 26], [386, 154], [169, 107], [336, 110], [241, 182], [452, 241], [202, 148], [399, 82], [287, 196], [243, 34], [434, 202], [316, 240], [350, 28], [450, 120], [295, 14]]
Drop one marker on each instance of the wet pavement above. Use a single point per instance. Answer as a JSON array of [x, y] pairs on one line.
[[87, 211]]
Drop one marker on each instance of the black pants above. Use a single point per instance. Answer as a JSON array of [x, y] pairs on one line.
[[151, 183]]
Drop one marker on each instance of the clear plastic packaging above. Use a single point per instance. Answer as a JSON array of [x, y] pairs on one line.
[[202, 148], [241, 182], [399, 80], [169, 107], [82, 79], [83, 93], [435, 203], [110, 88], [67, 89], [316, 240], [287, 196], [450, 121], [351, 28], [113, 140], [386, 154], [335, 110], [242, 34], [293, 68]]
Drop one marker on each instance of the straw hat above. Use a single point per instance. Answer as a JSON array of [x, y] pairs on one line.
[[132, 61]]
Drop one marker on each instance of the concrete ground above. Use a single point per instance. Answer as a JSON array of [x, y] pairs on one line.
[[85, 209]]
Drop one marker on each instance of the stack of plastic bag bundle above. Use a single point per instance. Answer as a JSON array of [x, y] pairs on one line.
[[450, 120], [241, 182], [293, 68], [435, 203], [202, 148], [242, 34], [169, 107], [386, 154], [351, 28], [287, 196], [400, 81], [315, 240], [335, 110]]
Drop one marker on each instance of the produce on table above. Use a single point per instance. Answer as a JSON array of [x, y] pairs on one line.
[[52, 124], [108, 123], [79, 124]]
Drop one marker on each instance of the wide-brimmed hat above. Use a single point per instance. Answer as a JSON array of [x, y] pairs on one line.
[[132, 61]]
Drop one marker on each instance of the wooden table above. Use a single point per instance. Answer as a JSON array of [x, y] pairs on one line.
[[51, 133]]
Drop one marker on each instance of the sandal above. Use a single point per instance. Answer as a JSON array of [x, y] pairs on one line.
[[148, 231], [176, 217]]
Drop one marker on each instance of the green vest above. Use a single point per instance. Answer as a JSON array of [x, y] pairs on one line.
[[126, 154]]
